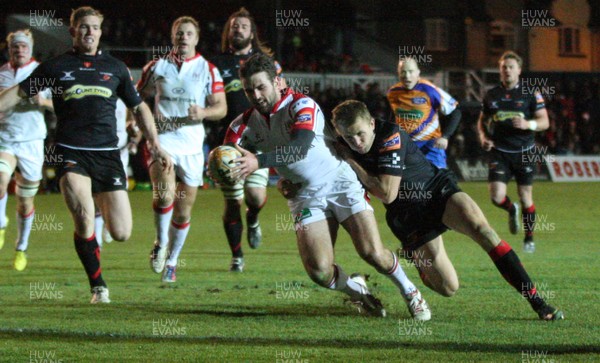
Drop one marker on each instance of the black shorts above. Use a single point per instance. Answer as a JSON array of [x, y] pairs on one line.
[[103, 167], [502, 166], [416, 221]]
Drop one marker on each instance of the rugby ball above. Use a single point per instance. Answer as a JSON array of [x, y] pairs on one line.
[[220, 163]]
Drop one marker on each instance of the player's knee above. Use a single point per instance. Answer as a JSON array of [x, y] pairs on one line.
[[449, 288], [120, 234], [24, 208]]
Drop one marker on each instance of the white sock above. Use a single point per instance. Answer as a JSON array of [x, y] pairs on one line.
[[24, 224], [3, 201], [162, 221], [98, 226], [399, 278], [341, 282], [177, 235]]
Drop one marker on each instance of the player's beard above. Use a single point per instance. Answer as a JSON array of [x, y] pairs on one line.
[[239, 43]]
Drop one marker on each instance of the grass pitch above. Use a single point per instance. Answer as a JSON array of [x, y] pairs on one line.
[[272, 312]]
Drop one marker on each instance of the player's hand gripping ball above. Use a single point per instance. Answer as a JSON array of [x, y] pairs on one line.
[[220, 162]]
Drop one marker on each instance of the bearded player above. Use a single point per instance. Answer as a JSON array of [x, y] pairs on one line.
[[289, 130], [240, 40]]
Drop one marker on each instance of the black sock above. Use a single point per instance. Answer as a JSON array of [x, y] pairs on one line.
[[529, 222], [509, 265], [233, 231], [89, 255], [506, 204]]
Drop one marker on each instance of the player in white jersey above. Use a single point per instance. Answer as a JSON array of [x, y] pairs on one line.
[[188, 90], [22, 134], [289, 129]]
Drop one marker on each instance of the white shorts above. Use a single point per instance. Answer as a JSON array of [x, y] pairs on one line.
[[30, 157], [189, 168], [339, 205]]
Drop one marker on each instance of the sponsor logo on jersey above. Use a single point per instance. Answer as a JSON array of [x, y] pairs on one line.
[[391, 143], [227, 73], [80, 91], [68, 76], [445, 190], [419, 100], [507, 115], [233, 86], [87, 64], [391, 161], [178, 90], [304, 117], [106, 76]]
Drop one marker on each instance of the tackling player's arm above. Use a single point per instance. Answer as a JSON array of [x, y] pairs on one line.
[[382, 185]]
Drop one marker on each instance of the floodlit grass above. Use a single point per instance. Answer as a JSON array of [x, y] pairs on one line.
[[272, 312]]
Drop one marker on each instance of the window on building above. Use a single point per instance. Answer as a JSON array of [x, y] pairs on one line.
[[569, 41], [436, 34], [502, 36]]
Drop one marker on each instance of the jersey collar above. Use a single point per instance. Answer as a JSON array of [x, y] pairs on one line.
[[175, 58], [23, 66], [284, 94], [517, 86]]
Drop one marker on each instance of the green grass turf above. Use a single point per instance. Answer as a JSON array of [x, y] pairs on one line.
[[272, 312]]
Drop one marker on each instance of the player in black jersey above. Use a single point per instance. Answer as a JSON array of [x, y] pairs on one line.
[[85, 84], [422, 202], [507, 124], [239, 41]]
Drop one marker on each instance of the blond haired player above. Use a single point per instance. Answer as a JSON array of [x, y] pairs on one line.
[[86, 84], [188, 90], [22, 134]]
